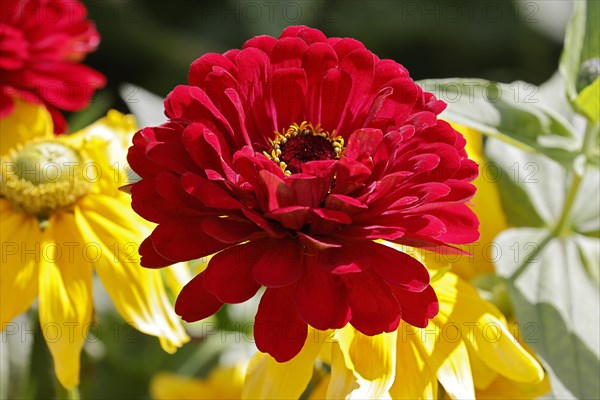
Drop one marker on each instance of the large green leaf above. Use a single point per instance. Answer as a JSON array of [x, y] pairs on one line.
[[510, 112], [532, 187], [585, 216], [581, 55], [555, 295]]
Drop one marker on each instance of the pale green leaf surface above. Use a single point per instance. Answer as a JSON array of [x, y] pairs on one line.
[[510, 112], [532, 187], [555, 296]]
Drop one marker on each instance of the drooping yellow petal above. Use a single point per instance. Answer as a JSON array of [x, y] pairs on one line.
[[224, 382], [414, 378], [268, 379], [455, 374], [446, 355], [371, 358], [343, 381], [503, 388], [26, 122], [481, 325], [65, 291], [138, 293], [483, 376], [21, 242]]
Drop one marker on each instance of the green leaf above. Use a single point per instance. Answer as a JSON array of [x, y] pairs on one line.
[[512, 113], [585, 217], [532, 186], [555, 296], [588, 101], [580, 59]]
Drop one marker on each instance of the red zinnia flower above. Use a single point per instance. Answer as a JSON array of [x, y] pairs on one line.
[[41, 43], [297, 206]]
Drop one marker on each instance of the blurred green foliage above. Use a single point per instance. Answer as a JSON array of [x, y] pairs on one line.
[[151, 43]]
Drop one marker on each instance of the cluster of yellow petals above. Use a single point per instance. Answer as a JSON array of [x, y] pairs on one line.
[[51, 252]]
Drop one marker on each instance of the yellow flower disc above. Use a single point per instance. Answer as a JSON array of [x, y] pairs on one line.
[[43, 176]]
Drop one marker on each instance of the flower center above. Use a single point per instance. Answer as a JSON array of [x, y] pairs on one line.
[[303, 143], [42, 177]]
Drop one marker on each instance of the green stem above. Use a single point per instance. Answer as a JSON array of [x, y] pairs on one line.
[[67, 394], [73, 393], [562, 227]]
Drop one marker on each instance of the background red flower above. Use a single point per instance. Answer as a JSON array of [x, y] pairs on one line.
[[41, 45]]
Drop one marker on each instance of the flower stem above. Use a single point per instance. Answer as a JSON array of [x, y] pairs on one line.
[[562, 227], [67, 394], [73, 393]]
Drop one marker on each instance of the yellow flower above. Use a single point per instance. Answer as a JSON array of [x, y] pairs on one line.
[[63, 218], [467, 349]]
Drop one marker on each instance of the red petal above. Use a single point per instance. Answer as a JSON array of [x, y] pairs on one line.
[[308, 191], [229, 273], [347, 204], [288, 53], [273, 230], [334, 95], [289, 92], [228, 230], [398, 268], [345, 46], [171, 155], [322, 299], [291, 217], [318, 59], [278, 328], [280, 263], [262, 42], [209, 193], [374, 308], [195, 302], [350, 258], [184, 240], [417, 307], [205, 64], [150, 257], [461, 224]]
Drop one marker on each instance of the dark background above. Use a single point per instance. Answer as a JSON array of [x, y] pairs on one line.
[[151, 43]]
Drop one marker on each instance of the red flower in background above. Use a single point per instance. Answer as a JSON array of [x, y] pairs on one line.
[[297, 206], [41, 44]]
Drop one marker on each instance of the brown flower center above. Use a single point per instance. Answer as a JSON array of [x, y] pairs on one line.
[[303, 143]]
